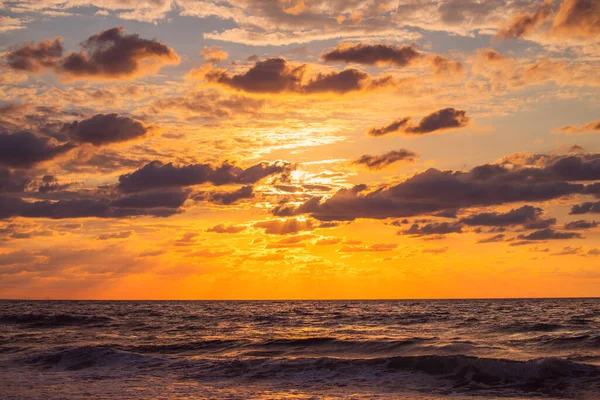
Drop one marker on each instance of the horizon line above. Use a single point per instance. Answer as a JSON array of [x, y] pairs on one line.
[[317, 299]]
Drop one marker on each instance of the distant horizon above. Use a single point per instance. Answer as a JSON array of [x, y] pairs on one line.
[[315, 299], [299, 149]]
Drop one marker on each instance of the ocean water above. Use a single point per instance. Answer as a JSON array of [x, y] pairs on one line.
[[455, 349]]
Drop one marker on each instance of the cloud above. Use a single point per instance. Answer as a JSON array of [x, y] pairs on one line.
[[448, 118], [102, 129], [383, 160], [115, 235], [385, 54], [440, 228], [493, 239], [110, 54], [14, 181], [549, 234], [213, 54], [433, 190], [377, 247], [286, 226], [227, 198], [573, 129], [578, 19], [516, 216], [328, 241], [50, 184], [222, 228], [435, 250], [580, 224], [25, 149], [393, 127], [585, 208], [161, 204], [156, 175], [33, 57], [276, 75], [523, 24], [373, 54]]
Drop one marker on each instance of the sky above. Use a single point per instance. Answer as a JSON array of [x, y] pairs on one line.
[[299, 149]]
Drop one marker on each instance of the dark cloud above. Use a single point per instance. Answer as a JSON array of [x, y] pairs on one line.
[[227, 198], [540, 224], [157, 175], [372, 54], [161, 204], [434, 228], [51, 184], [581, 224], [516, 216], [585, 208], [24, 149], [383, 160], [396, 126], [433, 190], [549, 234], [493, 239], [33, 57], [222, 228], [13, 181], [102, 129], [114, 54], [578, 18], [275, 75], [110, 54], [448, 118], [524, 24]]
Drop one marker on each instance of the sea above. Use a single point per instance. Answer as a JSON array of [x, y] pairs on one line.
[[404, 349]]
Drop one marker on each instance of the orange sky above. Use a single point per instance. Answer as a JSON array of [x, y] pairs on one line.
[[299, 149]]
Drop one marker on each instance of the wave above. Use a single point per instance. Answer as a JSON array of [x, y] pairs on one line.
[[433, 373], [51, 320]]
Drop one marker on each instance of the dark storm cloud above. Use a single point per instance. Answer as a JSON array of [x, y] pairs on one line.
[[24, 149], [448, 118], [371, 54], [581, 224], [33, 57], [102, 129], [383, 160], [440, 228], [493, 239], [549, 234], [157, 175], [524, 24], [276, 75], [433, 190], [585, 208], [516, 216], [110, 54]]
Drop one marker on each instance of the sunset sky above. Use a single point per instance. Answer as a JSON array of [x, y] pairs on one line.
[[284, 149]]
